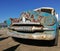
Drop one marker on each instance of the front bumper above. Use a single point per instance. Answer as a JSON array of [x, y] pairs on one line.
[[31, 36]]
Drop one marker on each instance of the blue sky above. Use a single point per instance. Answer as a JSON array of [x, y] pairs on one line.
[[13, 8]]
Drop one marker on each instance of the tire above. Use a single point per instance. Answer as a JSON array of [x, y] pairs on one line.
[[55, 42]]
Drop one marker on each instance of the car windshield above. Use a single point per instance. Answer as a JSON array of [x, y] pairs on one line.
[[46, 10]]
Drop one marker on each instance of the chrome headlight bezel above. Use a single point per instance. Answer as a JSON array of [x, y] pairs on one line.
[[49, 21]]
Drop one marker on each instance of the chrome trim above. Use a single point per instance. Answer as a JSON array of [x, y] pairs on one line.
[[26, 23], [31, 36], [30, 28]]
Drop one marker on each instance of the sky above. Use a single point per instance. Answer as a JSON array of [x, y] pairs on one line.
[[13, 8]]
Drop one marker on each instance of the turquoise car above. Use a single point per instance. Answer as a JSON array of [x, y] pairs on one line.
[[35, 25]]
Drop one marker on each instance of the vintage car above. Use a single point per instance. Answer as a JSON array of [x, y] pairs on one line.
[[37, 25]]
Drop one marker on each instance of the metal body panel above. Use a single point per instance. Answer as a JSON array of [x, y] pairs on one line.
[[39, 36], [36, 36]]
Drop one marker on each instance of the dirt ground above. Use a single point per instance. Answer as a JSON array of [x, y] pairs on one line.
[[12, 44]]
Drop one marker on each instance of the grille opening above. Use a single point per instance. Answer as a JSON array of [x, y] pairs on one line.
[[28, 30], [41, 31], [26, 25]]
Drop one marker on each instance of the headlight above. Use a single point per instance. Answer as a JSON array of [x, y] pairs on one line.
[[48, 21]]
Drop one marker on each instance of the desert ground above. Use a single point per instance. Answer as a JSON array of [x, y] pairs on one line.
[[8, 43]]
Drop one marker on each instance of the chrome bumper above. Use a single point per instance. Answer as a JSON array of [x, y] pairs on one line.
[[32, 36], [30, 28]]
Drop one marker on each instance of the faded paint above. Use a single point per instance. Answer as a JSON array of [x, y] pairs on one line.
[[32, 36], [48, 25]]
